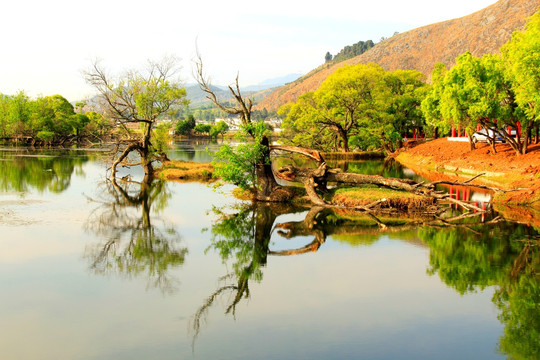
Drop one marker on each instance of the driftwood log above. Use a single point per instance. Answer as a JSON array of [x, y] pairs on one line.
[[315, 179]]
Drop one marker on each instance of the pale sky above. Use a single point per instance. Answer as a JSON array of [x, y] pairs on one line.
[[47, 43]]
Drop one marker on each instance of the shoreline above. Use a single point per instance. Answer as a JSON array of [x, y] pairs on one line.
[[440, 160]]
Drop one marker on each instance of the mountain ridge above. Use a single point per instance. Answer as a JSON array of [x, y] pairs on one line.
[[198, 98], [481, 32]]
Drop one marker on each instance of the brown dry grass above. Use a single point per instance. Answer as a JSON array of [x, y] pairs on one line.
[[185, 171]]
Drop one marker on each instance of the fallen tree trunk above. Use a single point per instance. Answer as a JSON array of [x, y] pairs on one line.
[[314, 179]]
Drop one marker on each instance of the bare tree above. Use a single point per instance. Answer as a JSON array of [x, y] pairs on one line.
[[138, 97], [267, 187]]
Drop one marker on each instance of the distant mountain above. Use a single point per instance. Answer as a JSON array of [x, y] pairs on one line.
[[272, 83], [197, 97], [420, 49]]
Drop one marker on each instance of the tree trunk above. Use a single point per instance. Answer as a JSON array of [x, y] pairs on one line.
[[492, 143], [146, 162], [266, 183], [344, 137], [471, 143]]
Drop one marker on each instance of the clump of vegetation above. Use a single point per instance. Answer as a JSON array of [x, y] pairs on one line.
[[237, 164], [179, 170], [358, 105], [387, 198], [499, 93], [139, 97], [49, 120], [350, 51]]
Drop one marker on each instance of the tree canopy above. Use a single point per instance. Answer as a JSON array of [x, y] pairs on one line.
[[46, 120], [139, 97], [500, 93], [365, 102], [521, 56], [351, 51]]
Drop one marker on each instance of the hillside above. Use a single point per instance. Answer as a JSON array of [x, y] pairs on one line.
[[420, 49]]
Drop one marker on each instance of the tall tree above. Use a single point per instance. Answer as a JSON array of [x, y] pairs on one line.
[[249, 164], [328, 57], [139, 97], [475, 92], [522, 59], [407, 90], [352, 95], [431, 104]]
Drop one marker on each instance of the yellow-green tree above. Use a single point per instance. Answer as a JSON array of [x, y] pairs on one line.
[[139, 97], [358, 101], [522, 60], [352, 95]]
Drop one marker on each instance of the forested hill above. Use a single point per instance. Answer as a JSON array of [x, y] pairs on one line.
[[420, 49]]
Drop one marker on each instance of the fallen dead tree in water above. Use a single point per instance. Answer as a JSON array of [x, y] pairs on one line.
[[315, 181]]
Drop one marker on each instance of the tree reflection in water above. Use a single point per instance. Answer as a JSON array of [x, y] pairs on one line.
[[467, 255], [22, 171], [133, 245], [243, 238], [506, 256]]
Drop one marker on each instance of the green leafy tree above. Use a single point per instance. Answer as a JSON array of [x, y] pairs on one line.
[[52, 118], [266, 188], [15, 113], [219, 129], [184, 127], [431, 104], [351, 96], [202, 128], [78, 123], [460, 93], [300, 125], [407, 90], [474, 92], [328, 57], [139, 97], [362, 103], [238, 164], [522, 60], [98, 125]]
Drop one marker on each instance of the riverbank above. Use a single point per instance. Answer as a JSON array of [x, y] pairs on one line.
[[441, 159]]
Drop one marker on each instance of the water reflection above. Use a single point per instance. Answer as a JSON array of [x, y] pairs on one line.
[[198, 150], [23, 171], [132, 243], [506, 256], [386, 168], [468, 256], [243, 238]]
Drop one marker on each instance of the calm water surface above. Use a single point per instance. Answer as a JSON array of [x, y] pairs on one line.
[[95, 270]]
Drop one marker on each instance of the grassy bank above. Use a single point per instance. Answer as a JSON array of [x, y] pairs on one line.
[[178, 170]]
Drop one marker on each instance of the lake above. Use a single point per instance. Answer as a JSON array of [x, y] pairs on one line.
[[91, 269]]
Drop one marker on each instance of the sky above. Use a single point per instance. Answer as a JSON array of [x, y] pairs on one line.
[[46, 45]]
